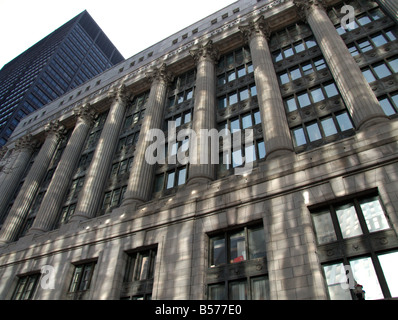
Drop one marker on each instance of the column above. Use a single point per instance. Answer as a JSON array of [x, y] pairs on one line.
[[98, 172], [14, 169], [55, 195], [277, 138], [204, 114], [20, 209], [142, 173], [358, 96]]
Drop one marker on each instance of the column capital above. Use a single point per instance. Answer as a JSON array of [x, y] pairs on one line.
[[3, 151], [160, 74], [56, 128], [206, 51], [86, 112], [26, 142], [119, 93], [306, 6], [257, 27]]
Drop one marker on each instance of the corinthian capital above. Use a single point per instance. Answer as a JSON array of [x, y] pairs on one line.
[[258, 27], [55, 127], [160, 74], [120, 93], [205, 51], [305, 7], [26, 142], [86, 112]]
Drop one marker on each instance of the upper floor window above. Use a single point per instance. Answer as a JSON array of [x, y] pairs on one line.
[[82, 276], [26, 287]]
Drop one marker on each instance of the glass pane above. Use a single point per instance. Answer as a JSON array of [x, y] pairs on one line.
[[310, 43], [313, 132], [331, 90], [231, 76], [374, 215], [257, 117], [222, 102], [307, 69], [237, 290], [304, 100], [394, 65], [344, 121], [291, 104], [278, 56], [187, 117], [299, 137], [237, 247], [368, 75], [365, 275], [260, 289], [288, 52], [317, 95], [216, 292], [256, 243], [233, 98], [348, 221], [295, 74], [247, 121], [85, 283], [324, 227], [261, 150], [237, 159], [250, 154], [284, 78], [241, 72], [217, 251], [379, 40], [235, 126], [387, 107], [144, 267], [337, 282], [391, 35], [299, 47], [365, 46], [389, 263], [76, 279], [329, 127], [382, 71], [244, 94], [170, 180], [364, 20], [182, 176], [159, 183]]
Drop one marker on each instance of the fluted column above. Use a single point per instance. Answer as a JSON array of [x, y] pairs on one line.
[[204, 115], [54, 197], [98, 172], [14, 169], [277, 138], [20, 209], [142, 173], [358, 96]]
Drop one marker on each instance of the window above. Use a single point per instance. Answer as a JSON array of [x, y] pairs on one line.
[[140, 270], [238, 246], [26, 287], [114, 198], [171, 179], [82, 276], [389, 103], [331, 125], [351, 224]]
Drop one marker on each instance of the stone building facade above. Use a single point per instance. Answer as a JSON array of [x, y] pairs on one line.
[[84, 212]]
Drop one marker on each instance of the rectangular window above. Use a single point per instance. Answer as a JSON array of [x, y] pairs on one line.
[[238, 247], [82, 277], [26, 287]]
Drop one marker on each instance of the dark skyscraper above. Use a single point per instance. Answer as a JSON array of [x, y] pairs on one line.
[[66, 58]]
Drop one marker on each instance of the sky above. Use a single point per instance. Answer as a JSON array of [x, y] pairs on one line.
[[131, 25]]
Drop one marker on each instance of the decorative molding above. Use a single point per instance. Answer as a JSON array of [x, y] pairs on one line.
[[206, 51], [305, 7], [26, 142], [55, 127], [86, 112], [255, 28], [160, 74]]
